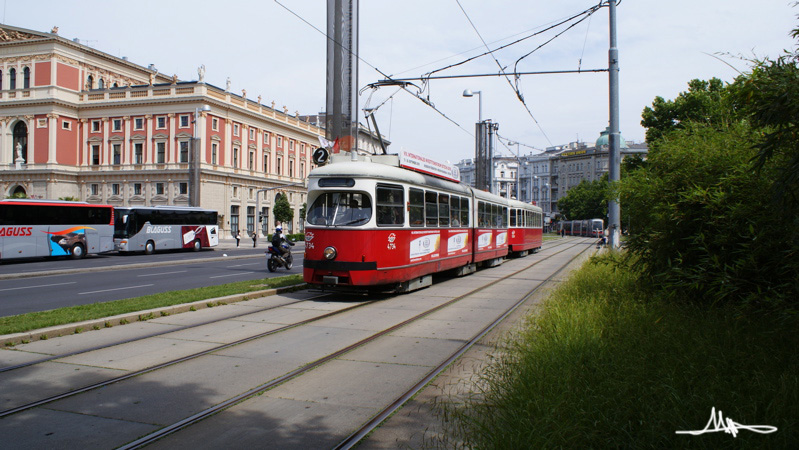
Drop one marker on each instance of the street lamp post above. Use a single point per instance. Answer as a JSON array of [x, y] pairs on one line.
[[518, 169], [470, 93], [194, 159]]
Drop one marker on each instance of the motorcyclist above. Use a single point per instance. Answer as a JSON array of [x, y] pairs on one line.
[[278, 238]]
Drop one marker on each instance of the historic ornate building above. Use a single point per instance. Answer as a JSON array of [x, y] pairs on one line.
[[77, 122]]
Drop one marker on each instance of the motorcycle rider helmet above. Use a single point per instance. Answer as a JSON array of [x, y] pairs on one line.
[[278, 228]]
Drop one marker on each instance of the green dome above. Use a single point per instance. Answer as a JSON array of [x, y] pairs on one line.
[[602, 141]]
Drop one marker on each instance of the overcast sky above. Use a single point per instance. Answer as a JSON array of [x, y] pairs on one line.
[[266, 50]]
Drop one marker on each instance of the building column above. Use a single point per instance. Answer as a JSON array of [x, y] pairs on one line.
[[83, 149], [31, 120], [53, 135], [127, 157], [5, 144], [148, 144], [105, 148], [228, 143], [171, 145]]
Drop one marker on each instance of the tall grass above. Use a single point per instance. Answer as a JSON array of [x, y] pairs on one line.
[[603, 366]]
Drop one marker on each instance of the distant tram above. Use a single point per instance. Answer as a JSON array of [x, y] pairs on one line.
[[588, 228], [373, 224]]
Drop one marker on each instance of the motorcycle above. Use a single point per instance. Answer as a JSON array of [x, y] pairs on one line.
[[275, 260]]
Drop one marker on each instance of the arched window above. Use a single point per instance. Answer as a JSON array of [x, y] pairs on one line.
[[26, 78], [100, 84], [12, 78], [90, 82]]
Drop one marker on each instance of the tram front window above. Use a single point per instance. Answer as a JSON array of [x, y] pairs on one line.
[[340, 209]]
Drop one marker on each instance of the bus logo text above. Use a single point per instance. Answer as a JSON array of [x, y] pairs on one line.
[[15, 231], [159, 229]]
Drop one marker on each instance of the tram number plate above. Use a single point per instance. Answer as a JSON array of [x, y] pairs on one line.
[[320, 156], [330, 280]]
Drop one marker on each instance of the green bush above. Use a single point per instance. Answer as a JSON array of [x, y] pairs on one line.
[[702, 226]]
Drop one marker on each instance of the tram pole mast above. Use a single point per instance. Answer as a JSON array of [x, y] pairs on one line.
[[614, 140]]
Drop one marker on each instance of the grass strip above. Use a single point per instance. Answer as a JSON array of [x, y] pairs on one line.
[[604, 366], [32, 321]]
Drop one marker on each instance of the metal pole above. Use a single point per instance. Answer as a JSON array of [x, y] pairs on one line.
[[614, 141]]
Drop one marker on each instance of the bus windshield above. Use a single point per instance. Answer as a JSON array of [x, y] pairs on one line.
[[340, 209]]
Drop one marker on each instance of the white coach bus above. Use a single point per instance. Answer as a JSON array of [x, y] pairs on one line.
[[142, 229]]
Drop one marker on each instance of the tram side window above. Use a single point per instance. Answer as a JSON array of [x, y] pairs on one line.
[[416, 207], [513, 217], [431, 208], [496, 221], [504, 216], [465, 212], [389, 205], [483, 219], [443, 210], [456, 206]]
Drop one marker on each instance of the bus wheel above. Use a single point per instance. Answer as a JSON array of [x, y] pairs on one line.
[[149, 248], [197, 245], [77, 251]]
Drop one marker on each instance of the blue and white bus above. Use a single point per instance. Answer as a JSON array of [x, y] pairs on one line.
[[36, 228], [144, 229]]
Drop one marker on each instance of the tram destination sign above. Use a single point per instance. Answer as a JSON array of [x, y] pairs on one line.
[[421, 163]]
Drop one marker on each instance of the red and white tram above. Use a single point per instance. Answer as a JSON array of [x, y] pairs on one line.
[[373, 224]]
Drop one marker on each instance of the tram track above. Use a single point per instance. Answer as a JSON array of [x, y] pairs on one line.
[[198, 417], [363, 431]]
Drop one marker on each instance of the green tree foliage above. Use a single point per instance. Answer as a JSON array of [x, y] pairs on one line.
[[770, 98], [282, 209], [303, 211], [587, 200], [704, 102]]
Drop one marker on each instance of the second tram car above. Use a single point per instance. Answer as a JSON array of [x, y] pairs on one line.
[[373, 224]]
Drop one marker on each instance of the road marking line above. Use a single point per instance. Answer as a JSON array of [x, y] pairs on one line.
[[232, 275], [116, 289], [37, 286], [164, 273], [250, 264]]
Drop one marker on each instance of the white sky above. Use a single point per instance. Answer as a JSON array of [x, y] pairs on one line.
[[268, 51]]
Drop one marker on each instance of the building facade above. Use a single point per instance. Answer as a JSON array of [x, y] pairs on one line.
[[82, 124], [545, 177]]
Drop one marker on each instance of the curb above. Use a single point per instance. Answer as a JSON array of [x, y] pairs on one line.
[[9, 340]]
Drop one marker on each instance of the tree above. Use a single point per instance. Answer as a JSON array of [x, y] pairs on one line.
[[587, 200], [283, 211], [704, 102], [770, 99]]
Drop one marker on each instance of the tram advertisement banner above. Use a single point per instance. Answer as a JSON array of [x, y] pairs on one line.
[[421, 163], [502, 238], [484, 239], [426, 245], [458, 242]]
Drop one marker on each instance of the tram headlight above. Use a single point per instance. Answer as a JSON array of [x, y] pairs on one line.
[[330, 253]]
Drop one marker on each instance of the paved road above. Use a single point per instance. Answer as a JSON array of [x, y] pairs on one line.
[[104, 278]]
